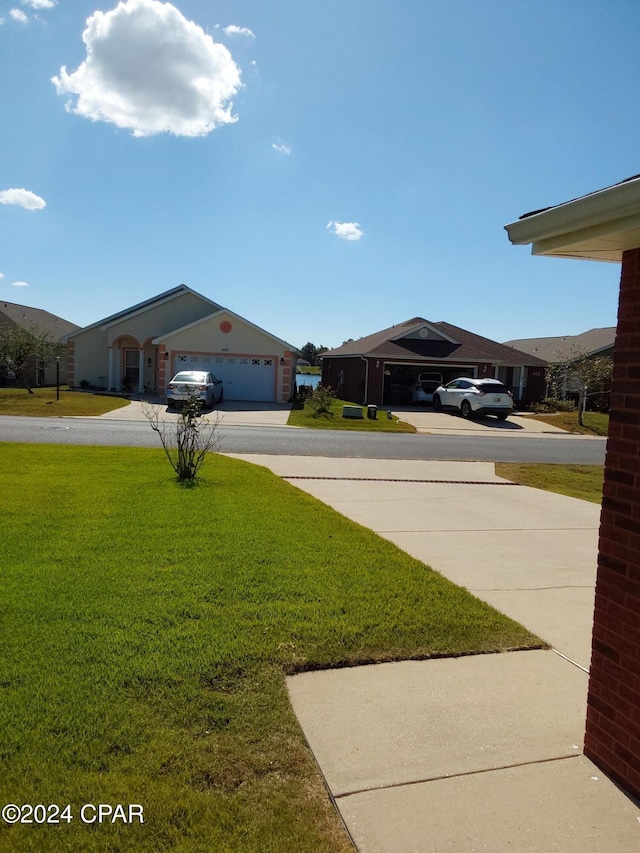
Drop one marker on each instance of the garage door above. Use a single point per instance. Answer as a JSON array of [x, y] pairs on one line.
[[244, 377]]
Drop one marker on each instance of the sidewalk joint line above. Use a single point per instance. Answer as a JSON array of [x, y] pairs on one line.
[[570, 660], [456, 775], [396, 480]]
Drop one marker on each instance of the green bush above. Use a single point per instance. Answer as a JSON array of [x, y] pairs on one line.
[[552, 404], [320, 400]]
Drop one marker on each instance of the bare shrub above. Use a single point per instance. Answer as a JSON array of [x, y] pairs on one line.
[[186, 440]]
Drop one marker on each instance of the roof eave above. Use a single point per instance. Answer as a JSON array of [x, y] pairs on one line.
[[599, 226]]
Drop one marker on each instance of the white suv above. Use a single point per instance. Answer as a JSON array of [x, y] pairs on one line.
[[474, 397]]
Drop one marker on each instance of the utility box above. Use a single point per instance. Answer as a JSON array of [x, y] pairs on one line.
[[372, 413], [352, 412]]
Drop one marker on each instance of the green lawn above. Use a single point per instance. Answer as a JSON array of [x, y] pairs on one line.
[[306, 417], [595, 423], [146, 632], [576, 481], [43, 403]]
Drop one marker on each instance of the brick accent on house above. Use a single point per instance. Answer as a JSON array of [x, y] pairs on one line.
[[287, 375], [161, 378], [613, 714]]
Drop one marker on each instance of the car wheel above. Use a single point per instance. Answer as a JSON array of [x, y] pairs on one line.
[[221, 396], [465, 409], [437, 405], [502, 417], [170, 404]]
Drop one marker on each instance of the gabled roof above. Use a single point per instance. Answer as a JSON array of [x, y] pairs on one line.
[[30, 318], [166, 296], [591, 342], [441, 342], [162, 338]]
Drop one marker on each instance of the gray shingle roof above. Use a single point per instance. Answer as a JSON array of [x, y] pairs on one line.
[[29, 318], [550, 349]]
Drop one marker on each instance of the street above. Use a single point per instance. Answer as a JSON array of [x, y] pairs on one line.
[[564, 449]]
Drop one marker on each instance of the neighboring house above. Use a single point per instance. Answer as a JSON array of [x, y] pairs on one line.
[[605, 226], [141, 348], [595, 343], [38, 320], [382, 368]]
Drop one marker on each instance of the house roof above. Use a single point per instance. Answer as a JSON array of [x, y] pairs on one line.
[[599, 226], [441, 342], [591, 342], [166, 296], [29, 318]]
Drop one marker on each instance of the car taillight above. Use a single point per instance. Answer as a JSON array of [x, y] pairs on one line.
[[202, 388], [170, 385]]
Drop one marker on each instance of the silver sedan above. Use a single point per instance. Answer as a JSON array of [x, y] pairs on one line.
[[194, 383]]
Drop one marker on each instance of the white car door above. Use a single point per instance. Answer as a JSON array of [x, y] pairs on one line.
[[448, 393]]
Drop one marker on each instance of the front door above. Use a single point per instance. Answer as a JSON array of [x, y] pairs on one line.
[[131, 369]]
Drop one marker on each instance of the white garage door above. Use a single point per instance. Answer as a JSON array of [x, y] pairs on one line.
[[243, 377]]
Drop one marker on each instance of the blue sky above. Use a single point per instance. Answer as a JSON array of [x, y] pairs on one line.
[[324, 169]]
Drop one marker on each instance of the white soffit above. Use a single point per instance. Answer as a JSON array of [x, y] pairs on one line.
[[598, 227]]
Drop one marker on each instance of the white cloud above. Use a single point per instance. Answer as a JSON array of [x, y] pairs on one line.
[[40, 4], [20, 284], [151, 70], [23, 198], [282, 147], [18, 15], [346, 230], [1, 275], [233, 30]]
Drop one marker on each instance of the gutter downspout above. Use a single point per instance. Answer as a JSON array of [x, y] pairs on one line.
[[366, 379]]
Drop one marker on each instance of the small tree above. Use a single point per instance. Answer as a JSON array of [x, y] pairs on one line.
[[320, 400], [23, 351], [187, 440], [581, 373]]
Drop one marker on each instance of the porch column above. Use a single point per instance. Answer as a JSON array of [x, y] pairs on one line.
[[140, 371]]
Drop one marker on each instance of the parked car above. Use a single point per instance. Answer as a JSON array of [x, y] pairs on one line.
[[195, 383], [471, 397], [426, 384]]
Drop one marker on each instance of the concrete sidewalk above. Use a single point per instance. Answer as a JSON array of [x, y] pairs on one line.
[[478, 753]]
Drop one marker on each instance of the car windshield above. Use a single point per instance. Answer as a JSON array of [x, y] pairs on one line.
[[492, 388], [190, 377]]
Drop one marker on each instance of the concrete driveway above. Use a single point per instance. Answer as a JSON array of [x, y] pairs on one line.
[[426, 420], [472, 754], [229, 413]]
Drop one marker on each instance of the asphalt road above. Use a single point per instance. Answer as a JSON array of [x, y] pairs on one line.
[[301, 442]]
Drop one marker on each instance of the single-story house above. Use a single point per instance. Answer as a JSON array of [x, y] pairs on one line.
[[382, 368], [41, 322], [560, 351], [139, 349], [556, 350], [605, 226]]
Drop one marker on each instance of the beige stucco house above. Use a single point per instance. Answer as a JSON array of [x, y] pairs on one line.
[[139, 349]]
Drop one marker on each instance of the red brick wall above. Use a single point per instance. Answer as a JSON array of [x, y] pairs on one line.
[[613, 713], [354, 373]]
